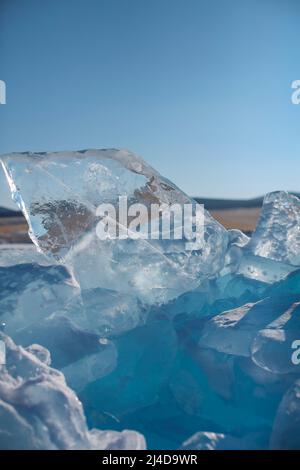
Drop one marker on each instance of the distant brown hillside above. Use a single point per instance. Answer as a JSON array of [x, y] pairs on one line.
[[242, 219], [14, 229]]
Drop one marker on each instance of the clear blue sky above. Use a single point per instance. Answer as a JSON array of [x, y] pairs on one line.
[[199, 88]]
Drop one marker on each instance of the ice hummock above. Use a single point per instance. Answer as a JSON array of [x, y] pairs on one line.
[[196, 354], [38, 411]]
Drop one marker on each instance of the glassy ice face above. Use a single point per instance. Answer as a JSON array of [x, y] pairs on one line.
[[277, 235], [59, 194]]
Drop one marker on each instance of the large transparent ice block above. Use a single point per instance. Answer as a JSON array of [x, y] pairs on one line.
[[59, 194]]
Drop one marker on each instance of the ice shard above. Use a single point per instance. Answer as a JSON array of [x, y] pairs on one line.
[[277, 235], [272, 348], [285, 433], [219, 441], [59, 194], [250, 329], [30, 293], [274, 248]]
